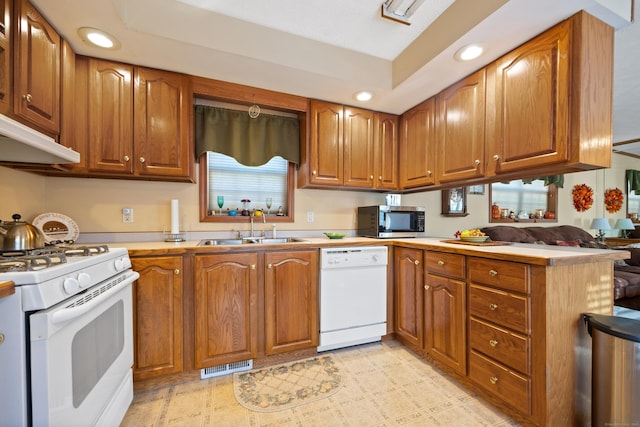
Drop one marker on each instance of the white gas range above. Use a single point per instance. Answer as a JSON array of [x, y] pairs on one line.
[[66, 336]]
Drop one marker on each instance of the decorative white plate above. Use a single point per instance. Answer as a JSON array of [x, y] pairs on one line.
[[57, 227]]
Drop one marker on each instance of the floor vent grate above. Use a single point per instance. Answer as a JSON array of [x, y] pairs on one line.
[[229, 368]]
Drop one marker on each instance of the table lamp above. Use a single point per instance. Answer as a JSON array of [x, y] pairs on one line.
[[624, 224], [600, 224]]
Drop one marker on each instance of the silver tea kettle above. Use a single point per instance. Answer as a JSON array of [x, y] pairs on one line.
[[19, 235]]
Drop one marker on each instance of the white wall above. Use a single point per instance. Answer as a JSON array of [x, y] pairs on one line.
[[96, 204]]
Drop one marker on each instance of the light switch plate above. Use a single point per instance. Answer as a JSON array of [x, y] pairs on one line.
[[127, 215]]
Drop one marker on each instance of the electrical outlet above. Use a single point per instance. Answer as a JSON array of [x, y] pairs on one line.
[[127, 214], [310, 216]]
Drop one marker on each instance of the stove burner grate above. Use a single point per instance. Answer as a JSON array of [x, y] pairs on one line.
[[31, 262]]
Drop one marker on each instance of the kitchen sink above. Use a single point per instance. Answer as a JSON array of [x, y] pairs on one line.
[[247, 241], [216, 242]]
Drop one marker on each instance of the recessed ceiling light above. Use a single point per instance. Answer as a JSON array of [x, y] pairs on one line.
[[467, 53], [363, 95], [98, 38]]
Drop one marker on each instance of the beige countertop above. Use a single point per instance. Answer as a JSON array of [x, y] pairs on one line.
[[519, 252]]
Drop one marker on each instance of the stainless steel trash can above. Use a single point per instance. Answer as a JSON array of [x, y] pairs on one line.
[[615, 384]]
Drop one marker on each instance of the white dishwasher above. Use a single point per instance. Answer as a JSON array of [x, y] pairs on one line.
[[353, 296]]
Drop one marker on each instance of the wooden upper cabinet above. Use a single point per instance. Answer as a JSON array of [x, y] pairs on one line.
[[6, 61], [162, 123], [460, 129], [110, 116], [552, 100], [348, 147], [36, 76], [358, 147], [326, 131], [291, 301], [417, 146], [385, 168]]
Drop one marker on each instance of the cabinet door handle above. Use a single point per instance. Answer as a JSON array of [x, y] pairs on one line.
[[176, 271], [496, 157], [371, 177], [416, 262], [429, 173], [314, 173], [493, 307], [493, 380], [142, 160], [269, 265], [126, 158], [493, 343], [440, 262], [477, 162], [427, 287], [28, 98], [493, 273], [380, 178]]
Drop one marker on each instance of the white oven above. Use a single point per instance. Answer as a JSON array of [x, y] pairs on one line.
[[81, 356], [68, 343]]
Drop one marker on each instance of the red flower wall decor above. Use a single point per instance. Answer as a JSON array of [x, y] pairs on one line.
[[613, 200], [582, 197]]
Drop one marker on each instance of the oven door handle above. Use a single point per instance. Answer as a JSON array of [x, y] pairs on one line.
[[68, 314]]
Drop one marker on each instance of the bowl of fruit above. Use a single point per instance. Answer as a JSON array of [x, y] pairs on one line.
[[473, 235]]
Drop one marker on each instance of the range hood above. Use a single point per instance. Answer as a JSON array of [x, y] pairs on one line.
[[20, 143]]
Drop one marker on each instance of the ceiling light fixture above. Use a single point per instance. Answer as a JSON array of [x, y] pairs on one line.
[[469, 52], [363, 96], [400, 10], [98, 38]]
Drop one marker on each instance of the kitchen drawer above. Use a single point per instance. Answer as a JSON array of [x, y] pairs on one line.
[[500, 307], [444, 264], [510, 386], [507, 275], [502, 345]]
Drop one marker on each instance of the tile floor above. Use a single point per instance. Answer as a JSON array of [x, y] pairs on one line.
[[385, 384]]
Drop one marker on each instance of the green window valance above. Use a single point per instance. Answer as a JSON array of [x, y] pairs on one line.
[[251, 141], [633, 177], [558, 180]]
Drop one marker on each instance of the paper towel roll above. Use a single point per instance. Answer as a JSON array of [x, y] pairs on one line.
[[175, 217]]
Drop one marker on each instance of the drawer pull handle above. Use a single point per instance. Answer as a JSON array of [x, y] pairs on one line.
[[416, 262], [493, 343], [494, 380], [269, 265], [493, 307], [493, 273], [440, 263], [427, 287], [253, 266]]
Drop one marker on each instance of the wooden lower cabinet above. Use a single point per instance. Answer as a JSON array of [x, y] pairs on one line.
[[511, 329], [254, 304], [291, 301], [408, 296], [445, 307], [225, 308], [157, 316]]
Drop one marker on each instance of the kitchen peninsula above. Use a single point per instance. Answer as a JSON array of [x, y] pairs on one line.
[[517, 337]]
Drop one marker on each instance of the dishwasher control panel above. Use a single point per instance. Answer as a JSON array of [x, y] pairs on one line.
[[348, 257]]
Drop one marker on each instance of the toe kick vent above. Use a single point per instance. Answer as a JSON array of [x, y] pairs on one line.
[[229, 368]]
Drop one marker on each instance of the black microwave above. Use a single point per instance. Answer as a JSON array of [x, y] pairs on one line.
[[383, 221]]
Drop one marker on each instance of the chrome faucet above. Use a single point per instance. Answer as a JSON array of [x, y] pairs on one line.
[[251, 218]]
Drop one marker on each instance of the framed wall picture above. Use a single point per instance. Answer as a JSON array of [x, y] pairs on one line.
[[476, 189], [454, 202]]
